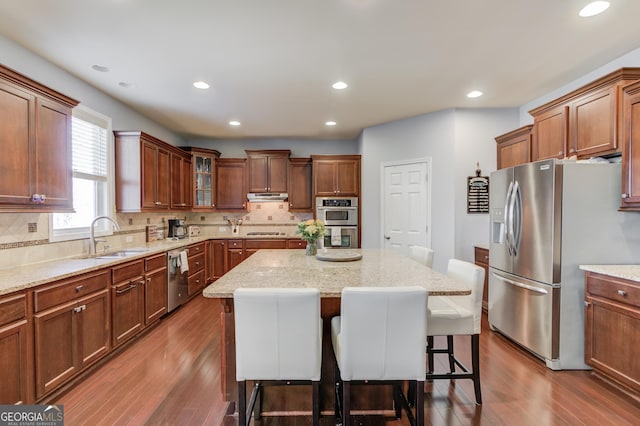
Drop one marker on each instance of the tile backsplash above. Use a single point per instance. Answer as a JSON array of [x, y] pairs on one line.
[[24, 237]]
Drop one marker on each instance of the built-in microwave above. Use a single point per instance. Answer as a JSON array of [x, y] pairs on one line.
[[341, 237], [337, 211]]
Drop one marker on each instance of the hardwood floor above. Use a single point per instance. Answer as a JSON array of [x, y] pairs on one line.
[[171, 376]]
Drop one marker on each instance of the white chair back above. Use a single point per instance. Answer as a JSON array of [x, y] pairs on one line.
[[472, 276], [423, 255], [278, 334], [383, 333]]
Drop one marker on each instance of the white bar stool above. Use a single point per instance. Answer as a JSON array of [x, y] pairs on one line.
[[457, 315], [278, 342], [421, 254], [379, 338]]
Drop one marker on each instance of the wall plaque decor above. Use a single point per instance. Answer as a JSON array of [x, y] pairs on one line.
[[478, 192]]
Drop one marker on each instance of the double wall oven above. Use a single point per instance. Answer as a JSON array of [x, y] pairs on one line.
[[340, 216]]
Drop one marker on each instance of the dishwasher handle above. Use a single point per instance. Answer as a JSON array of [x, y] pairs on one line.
[[521, 285]]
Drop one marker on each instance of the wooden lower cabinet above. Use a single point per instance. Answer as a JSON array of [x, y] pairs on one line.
[[69, 338], [252, 246], [155, 288], [127, 301], [197, 263], [612, 329], [217, 260], [235, 253], [481, 258], [16, 360]]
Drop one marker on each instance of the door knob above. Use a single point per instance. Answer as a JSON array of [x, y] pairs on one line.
[[387, 238]]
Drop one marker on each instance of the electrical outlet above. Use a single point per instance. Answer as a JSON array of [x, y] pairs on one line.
[[128, 238], [222, 229]]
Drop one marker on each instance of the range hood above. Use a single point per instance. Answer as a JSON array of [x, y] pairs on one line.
[[266, 197]]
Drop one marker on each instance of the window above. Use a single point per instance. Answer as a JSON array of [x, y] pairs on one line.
[[90, 134]]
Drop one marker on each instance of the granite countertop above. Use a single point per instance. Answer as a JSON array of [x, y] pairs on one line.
[[628, 272], [27, 276], [292, 268]]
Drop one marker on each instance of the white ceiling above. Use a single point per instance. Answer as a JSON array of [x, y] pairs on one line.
[[271, 63]]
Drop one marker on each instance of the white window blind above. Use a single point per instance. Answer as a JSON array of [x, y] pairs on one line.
[[90, 164], [89, 149]]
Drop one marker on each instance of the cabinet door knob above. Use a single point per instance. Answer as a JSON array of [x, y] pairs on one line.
[[560, 153], [79, 288], [624, 196], [622, 293]]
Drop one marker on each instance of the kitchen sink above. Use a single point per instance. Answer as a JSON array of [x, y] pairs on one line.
[[120, 254]]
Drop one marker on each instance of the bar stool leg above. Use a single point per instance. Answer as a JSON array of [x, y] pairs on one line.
[[419, 402], [316, 403], [346, 403], [242, 403], [475, 363], [430, 354], [452, 360]]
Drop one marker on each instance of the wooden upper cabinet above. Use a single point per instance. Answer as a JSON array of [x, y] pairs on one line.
[[514, 148], [203, 163], [631, 148], [586, 122], [181, 180], [151, 175], [35, 129], [231, 184], [550, 134], [336, 175], [300, 196], [267, 170]]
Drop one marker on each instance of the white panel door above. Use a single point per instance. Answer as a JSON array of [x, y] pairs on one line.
[[406, 210]]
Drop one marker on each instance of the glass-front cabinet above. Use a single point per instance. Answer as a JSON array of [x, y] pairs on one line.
[[204, 162]]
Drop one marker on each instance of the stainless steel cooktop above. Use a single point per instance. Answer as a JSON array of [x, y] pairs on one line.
[[266, 233]]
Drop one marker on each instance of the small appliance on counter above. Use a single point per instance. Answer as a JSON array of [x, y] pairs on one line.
[[176, 228]]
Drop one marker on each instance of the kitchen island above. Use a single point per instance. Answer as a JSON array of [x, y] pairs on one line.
[[292, 268]]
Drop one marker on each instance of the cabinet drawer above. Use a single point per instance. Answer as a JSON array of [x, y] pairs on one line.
[[155, 262], [67, 290], [613, 288], [195, 282], [235, 244], [127, 271], [481, 255], [265, 244], [196, 263], [13, 308], [296, 244], [196, 249]]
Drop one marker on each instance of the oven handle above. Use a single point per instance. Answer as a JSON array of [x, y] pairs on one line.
[[521, 285]]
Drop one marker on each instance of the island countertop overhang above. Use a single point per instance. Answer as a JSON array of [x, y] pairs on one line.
[[292, 268]]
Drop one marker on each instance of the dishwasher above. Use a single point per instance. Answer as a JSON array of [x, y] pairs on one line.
[[177, 280]]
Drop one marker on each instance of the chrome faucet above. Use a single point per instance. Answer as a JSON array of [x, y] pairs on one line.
[[93, 240]]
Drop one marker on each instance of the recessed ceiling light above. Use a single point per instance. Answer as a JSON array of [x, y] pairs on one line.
[[201, 85], [234, 123], [594, 8], [474, 94], [125, 84], [330, 123], [100, 68], [339, 85]]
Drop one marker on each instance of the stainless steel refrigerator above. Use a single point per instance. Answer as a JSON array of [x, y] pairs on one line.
[[547, 218]]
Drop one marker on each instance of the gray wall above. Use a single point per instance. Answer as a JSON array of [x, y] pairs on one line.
[[455, 140], [631, 59], [44, 72]]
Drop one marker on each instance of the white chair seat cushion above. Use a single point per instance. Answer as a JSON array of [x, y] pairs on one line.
[[445, 317]]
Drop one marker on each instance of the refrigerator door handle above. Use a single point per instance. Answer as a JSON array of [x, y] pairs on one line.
[[521, 285], [508, 216], [516, 225]]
